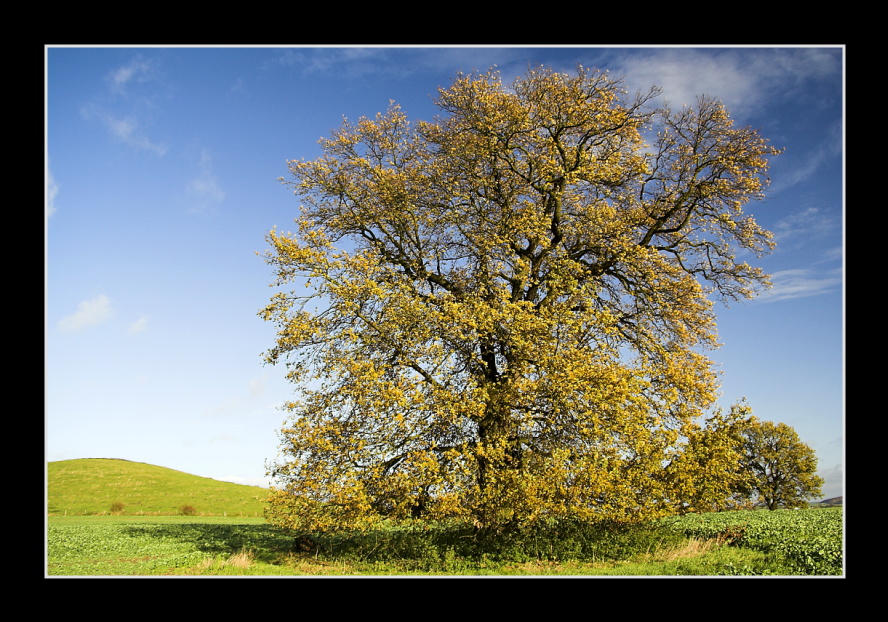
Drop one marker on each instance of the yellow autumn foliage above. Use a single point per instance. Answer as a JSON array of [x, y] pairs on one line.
[[503, 314]]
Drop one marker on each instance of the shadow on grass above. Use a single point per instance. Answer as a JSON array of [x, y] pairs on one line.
[[553, 540], [266, 541], [433, 546]]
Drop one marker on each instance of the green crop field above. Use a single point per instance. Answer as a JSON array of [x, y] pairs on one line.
[[226, 535], [810, 541]]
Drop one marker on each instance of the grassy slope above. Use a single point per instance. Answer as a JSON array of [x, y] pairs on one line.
[[90, 486]]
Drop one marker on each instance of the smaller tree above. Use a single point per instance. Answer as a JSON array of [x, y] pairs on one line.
[[780, 468], [710, 472]]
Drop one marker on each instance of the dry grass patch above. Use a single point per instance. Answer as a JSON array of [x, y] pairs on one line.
[[214, 565], [689, 550], [242, 559]]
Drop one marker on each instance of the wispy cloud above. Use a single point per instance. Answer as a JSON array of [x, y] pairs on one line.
[[257, 387], [743, 78], [685, 74], [137, 70], [809, 223], [89, 313], [796, 171], [205, 187], [139, 326], [249, 401], [319, 60], [837, 253], [125, 129], [801, 283], [52, 191], [124, 112], [405, 61]]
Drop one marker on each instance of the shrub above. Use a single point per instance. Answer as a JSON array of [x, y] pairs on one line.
[[117, 507], [187, 510]]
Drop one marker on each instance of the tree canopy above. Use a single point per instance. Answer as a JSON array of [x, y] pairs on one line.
[[781, 470], [503, 314]]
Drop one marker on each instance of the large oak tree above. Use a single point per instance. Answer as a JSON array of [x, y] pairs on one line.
[[503, 314]]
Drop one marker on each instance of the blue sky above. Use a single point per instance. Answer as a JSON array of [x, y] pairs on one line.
[[162, 168]]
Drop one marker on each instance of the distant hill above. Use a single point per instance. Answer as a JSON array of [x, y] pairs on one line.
[[832, 501], [108, 485]]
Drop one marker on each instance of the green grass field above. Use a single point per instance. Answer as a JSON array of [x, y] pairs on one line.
[[126, 546], [227, 535], [97, 486]]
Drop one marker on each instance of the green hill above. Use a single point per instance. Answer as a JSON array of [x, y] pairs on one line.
[[109, 486], [831, 501]]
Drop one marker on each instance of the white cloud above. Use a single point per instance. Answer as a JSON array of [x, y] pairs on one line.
[[205, 187], [126, 129], [798, 171], [834, 254], [122, 129], [139, 325], [801, 283], [52, 191], [348, 59], [742, 78], [808, 223], [685, 74], [362, 62], [257, 387], [89, 313], [138, 69], [127, 125]]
